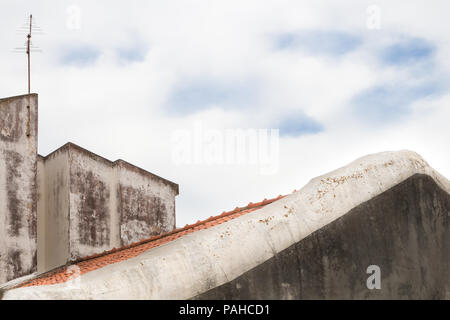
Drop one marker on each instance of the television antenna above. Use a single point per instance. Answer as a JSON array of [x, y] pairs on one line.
[[30, 28]]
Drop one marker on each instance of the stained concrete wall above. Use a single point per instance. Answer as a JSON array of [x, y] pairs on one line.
[[18, 153], [206, 259], [91, 185], [404, 231], [146, 203], [89, 204]]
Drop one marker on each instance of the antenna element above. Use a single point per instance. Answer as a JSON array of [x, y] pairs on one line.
[[29, 27]]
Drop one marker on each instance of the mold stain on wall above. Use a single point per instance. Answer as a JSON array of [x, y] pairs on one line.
[[92, 209], [10, 129], [15, 206], [142, 215], [17, 188]]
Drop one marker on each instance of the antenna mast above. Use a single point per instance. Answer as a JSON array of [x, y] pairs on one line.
[[29, 27], [28, 53], [28, 48]]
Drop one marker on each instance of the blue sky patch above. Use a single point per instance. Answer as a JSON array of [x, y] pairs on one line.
[[384, 103], [407, 51], [297, 124], [319, 42], [202, 94], [134, 53], [80, 56]]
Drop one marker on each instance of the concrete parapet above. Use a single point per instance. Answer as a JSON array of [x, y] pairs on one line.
[[18, 153], [89, 204]]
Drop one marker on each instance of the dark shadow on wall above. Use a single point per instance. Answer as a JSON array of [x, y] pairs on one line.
[[404, 231]]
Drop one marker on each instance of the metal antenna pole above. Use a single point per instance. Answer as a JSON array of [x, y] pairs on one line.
[[28, 47], [29, 28], [28, 54]]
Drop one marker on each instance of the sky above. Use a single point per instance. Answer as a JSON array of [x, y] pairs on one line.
[[166, 85]]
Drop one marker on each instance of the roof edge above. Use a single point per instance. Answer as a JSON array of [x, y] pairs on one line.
[[18, 97], [112, 164], [229, 250]]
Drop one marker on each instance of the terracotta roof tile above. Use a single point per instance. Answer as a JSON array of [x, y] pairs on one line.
[[115, 255]]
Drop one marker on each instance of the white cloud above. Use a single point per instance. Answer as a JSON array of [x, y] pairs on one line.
[[115, 107]]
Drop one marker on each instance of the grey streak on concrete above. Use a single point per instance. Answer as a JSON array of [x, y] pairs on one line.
[[18, 154], [405, 231]]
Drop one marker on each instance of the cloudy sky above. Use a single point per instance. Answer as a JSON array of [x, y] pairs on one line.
[[337, 79]]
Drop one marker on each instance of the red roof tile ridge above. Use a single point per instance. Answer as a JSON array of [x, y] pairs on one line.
[[46, 278], [177, 230]]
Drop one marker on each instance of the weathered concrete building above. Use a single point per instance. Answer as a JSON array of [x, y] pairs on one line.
[[18, 155], [389, 210], [72, 203], [88, 204]]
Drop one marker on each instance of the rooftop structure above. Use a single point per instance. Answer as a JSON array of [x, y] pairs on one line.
[[74, 225], [388, 210], [72, 203]]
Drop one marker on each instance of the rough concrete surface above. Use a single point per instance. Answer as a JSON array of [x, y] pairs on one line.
[[207, 259], [53, 211], [146, 204], [88, 204], [404, 231], [18, 154], [70, 204]]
